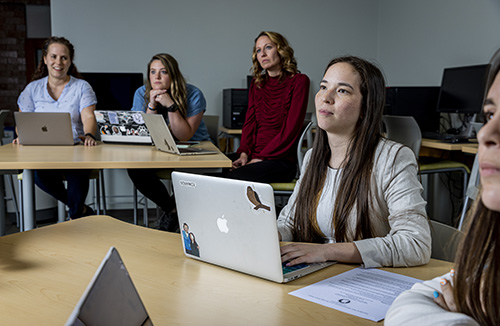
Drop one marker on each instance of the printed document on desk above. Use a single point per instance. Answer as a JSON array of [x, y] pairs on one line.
[[363, 292]]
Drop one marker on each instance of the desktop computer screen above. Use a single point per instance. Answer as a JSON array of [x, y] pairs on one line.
[[114, 91], [463, 89], [418, 102]]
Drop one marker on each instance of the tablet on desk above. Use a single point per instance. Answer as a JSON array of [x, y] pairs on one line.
[[111, 298]]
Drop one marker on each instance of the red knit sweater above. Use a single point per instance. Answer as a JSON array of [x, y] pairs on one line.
[[274, 118]]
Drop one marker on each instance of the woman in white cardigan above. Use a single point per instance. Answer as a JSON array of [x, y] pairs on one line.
[[469, 294], [358, 199]]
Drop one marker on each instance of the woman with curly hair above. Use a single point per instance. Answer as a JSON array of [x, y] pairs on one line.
[[277, 105]]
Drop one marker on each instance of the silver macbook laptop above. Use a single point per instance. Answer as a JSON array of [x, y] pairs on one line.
[[110, 298], [163, 139], [122, 127], [44, 128], [232, 223]]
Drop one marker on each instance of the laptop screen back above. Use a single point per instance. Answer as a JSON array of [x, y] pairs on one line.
[[44, 128]]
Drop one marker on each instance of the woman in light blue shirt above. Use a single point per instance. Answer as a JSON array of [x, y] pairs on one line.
[[182, 106], [57, 87]]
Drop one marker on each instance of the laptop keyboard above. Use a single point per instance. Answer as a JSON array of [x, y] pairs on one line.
[[289, 269]]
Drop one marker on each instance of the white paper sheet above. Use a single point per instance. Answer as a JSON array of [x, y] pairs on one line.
[[362, 292]]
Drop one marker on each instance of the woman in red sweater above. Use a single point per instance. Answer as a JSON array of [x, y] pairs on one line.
[[277, 105]]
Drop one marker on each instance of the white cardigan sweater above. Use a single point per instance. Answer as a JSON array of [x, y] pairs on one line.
[[398, 216]]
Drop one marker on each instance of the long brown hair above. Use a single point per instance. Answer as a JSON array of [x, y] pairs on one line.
[[42, 71], [355, 180], [477, 265], [285, 52], [177, 89]]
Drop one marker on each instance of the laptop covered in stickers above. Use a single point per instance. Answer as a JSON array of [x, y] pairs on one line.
[[233, 225], [126, 127]]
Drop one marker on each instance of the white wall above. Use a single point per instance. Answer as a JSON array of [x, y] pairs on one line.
[[212, 40], [411, 40], [418, 39]]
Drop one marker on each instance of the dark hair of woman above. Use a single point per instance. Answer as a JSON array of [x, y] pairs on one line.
[[42, 71], [177, 90], [285, 52], [477, 265], [355, 179]]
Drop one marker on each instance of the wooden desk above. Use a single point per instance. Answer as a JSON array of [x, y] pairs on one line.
[[437, 144], [102, 156], [470, 148], [45, 271], [230, 131], [235, 134]]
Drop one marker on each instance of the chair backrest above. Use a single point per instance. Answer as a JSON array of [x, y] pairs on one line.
[[472, 191], [404, 130], [445, 240], [301, 149], [212, 123], [3, 116]]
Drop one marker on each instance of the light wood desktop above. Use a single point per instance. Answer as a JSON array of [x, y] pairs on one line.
[[45, 271], [235, 134], [102, 156], [470, 148]]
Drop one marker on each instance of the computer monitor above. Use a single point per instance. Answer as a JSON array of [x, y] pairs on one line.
[[114, 91], [417, 101], [463, 89]]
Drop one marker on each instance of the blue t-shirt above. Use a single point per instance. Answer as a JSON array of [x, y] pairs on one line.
[[195, 104], [76, 96]]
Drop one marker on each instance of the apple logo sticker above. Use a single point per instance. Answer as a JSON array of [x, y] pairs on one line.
[[222, 224]]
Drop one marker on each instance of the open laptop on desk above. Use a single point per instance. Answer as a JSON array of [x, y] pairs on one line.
[[44, 128], [122, 127], [110, 298], [232, 223], [163, 139]]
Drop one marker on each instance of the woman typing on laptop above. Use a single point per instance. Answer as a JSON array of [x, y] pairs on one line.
[[182, 106], [358, 199], [57, 87]]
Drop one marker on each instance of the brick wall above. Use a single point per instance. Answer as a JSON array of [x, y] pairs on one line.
[[12, 52], [12, 57]]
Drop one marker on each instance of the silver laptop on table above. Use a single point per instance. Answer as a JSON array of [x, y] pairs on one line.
[[163, 139], [232, 223], [122, 127], [44, 128], [110, 298]]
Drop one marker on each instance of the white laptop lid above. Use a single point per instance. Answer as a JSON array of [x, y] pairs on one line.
[[163, 139], [110, 298], [44, 128], [122, 127], [233, 223]]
